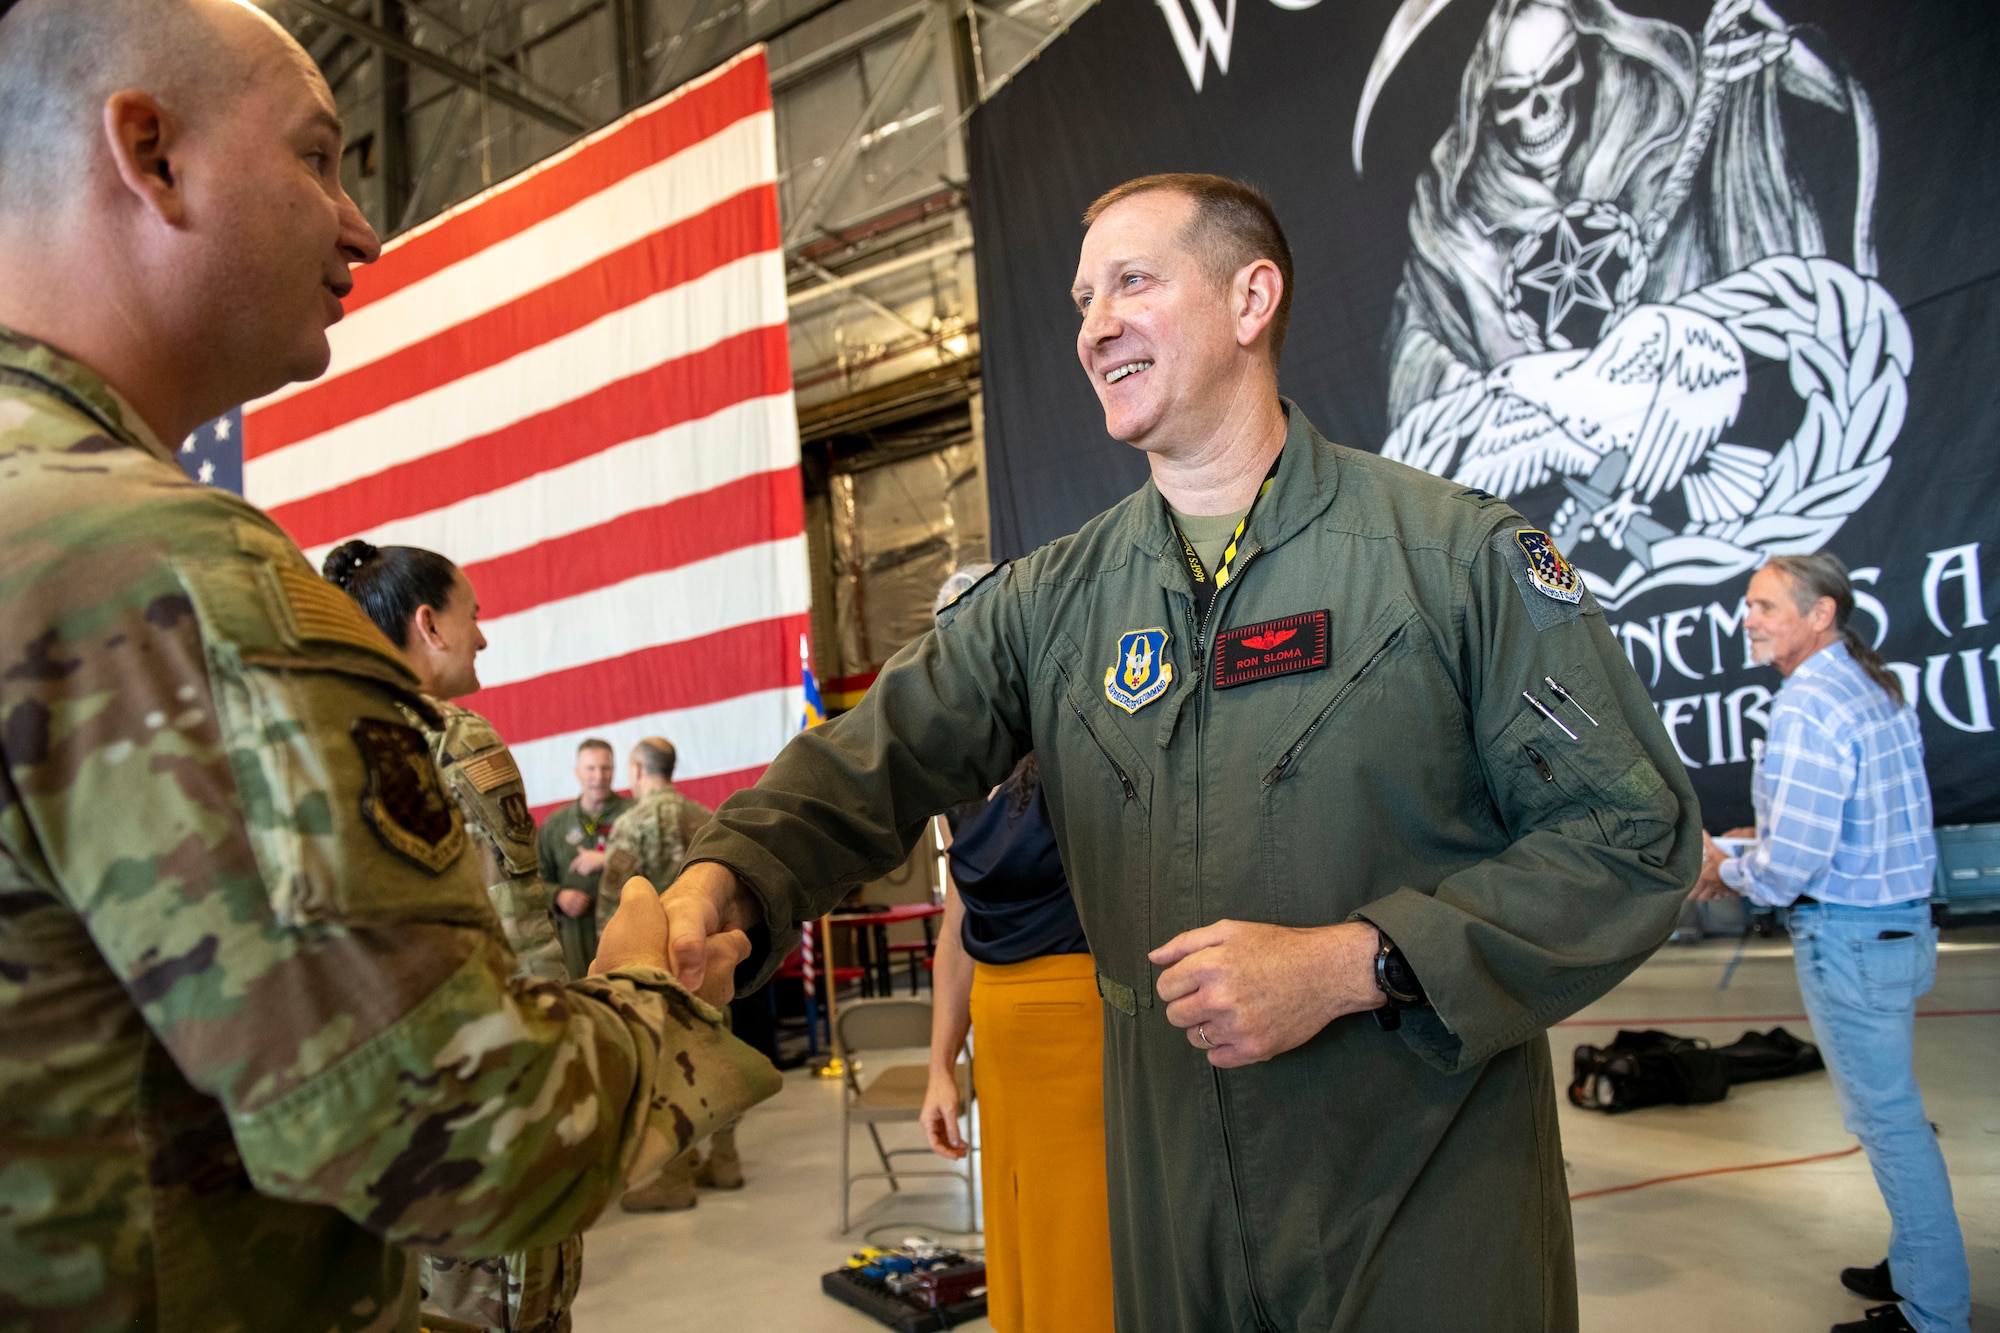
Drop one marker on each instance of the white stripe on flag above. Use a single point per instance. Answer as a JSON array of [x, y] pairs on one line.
[[725, 737], [753, 436], [748, 294], [739, 587], [720, 167]]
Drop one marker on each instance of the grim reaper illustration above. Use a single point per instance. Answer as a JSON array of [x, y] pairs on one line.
[[1609, 234]]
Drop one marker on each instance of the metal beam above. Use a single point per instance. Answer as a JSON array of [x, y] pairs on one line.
[[834, 284], [626, 52], [392, 109], [437, 64]]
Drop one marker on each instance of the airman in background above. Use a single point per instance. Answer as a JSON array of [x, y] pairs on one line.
[[260, 1029], [571, 849]]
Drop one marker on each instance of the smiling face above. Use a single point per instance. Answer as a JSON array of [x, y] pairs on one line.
[[1781, 634], [1159, 337], [274, 233], [593, 774], [447, 644]]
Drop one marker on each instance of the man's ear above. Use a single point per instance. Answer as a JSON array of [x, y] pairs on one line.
[[1255, 293], [145, 142]]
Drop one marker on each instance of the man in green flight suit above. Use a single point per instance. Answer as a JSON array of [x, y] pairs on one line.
[[1368, 747], [259, 1025], [570, 848]]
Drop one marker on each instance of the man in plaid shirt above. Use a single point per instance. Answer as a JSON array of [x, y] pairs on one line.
[[1843, 839]]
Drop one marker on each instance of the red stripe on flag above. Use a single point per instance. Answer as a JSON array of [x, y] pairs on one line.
[[711, 791], [679, 124], [745, 512], [750, 365], [744, 225], [663, 678]]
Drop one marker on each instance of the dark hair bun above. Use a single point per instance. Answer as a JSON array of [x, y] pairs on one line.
[[345, 559]]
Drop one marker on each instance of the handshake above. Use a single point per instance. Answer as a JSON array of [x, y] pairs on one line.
[[696, 930]]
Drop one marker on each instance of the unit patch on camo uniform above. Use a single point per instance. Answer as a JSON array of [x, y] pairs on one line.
[[1141, 674], [1553, 576]]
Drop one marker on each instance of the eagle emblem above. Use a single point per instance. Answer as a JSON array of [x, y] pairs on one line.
[[1269, 639], [1141, 674]]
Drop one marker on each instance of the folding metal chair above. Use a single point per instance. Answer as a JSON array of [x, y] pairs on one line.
[[894, 1095]]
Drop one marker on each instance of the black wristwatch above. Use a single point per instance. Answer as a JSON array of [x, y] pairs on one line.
[[1397, 980]]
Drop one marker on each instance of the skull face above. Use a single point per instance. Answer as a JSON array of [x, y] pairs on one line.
[[1535, 87]]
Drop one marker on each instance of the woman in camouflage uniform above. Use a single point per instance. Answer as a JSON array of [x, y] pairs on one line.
[[426, 606]]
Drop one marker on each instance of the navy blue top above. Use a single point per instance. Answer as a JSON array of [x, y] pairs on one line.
[[1011, 880]]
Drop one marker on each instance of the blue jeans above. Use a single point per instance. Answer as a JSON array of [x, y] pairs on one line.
[[1861, 993]]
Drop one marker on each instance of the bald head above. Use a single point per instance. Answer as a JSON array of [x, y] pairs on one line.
[[654, 756], [171, 212], [61, 60]]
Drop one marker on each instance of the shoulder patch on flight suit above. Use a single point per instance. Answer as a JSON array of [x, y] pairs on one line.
[[405, 801], [1472, 495], [1551, 587], [987, 583]]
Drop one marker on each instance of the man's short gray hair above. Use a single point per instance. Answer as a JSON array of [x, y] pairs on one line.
[[61, 60]]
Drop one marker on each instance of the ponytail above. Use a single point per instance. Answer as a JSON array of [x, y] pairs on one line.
[[1824, 574], [1871, 661], [390, 583]]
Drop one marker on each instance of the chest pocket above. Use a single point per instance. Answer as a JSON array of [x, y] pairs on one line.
[[1102, 792], [487, 788], [1367, 656], [1600, 786]]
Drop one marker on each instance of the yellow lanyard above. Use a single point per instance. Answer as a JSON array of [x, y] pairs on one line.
[[1204, 590]]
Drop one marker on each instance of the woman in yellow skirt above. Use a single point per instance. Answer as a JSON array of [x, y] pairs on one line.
[[1013, 966]]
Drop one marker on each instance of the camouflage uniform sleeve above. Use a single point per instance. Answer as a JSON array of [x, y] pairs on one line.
[[624, 857], [283, 894], [486, 787]]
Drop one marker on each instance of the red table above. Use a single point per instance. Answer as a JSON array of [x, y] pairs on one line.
[[873, 945]]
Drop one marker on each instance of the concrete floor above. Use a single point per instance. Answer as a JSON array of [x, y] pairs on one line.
[[1757, 1250]]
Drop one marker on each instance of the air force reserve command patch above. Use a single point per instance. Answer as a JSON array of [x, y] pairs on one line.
[[1552, 575], [1142, 673], [405, 802]]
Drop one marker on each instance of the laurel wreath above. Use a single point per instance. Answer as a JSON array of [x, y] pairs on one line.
[[1848, 351]]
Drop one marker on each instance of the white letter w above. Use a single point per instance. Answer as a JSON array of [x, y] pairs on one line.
[[1216, 32]]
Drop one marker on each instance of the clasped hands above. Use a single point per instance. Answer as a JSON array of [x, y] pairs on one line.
[[637, 935]]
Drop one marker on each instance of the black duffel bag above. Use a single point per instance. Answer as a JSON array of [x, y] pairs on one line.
[[1647, 1069], [1775, 1054]]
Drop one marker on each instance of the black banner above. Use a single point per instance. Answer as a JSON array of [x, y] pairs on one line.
[[1689, 285]]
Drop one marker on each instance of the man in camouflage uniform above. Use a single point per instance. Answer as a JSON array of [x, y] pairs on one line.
[[571, 849], [651, 839], [530, 1291], [258, 1031]]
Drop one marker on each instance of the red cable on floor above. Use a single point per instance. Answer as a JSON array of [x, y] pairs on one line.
[[1715, 1171]]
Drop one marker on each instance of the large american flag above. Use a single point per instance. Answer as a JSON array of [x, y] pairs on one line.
[[576, 385]]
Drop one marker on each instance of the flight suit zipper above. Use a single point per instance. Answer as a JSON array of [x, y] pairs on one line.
[[1202, 695], [1541, 764], [1131, 792], [1285, 759]]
